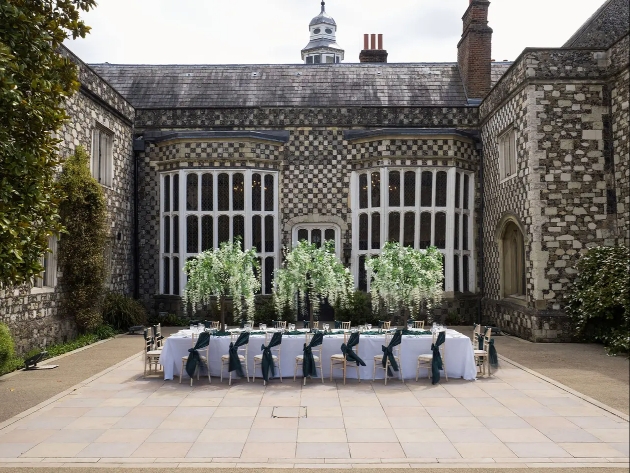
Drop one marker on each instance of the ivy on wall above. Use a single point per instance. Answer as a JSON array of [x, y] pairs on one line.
[[83, 213]]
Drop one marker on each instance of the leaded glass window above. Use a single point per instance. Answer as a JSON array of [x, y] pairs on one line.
[[363, 232], [376, 231], [238, 192], [440, 230], [456, 273], [410, 189], [192, 234], [466, 271], [206, 192], [394, 227], [425, 230], [440, 189], [394, 189], [456, 233], [224, 229], [256, 192], [192, 192], [175, 192], [239, 229], [363, 191], [426, 189], [269, 268], [316, 237], [223, 183], [207, 233], [176, 276], [257, 233], [457, 190], [269, 190], [269, 231], [167, 193], [466, 186], [167, 234], [465, 232], [409, 229], [329, 235], [303, 234], [376, 189], [167, 275], [175, 234], [362, 274]]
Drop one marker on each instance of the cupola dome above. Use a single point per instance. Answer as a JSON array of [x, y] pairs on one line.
[[323, 47]]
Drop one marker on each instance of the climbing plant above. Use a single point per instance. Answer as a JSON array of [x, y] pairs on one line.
[[313, 272], [404, 279], [35, 83], [227, 271], [81, 248]]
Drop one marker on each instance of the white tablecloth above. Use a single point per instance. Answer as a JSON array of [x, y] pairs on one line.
[[458, 355]]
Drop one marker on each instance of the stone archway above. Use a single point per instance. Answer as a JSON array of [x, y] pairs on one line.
[[511, 241]]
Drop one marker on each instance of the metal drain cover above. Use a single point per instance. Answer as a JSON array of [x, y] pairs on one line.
[[288, 412]]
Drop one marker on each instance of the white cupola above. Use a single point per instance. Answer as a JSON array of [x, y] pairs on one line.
[[323, 47]]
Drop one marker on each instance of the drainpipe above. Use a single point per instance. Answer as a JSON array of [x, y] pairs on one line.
[[480, 235], [138, 147]]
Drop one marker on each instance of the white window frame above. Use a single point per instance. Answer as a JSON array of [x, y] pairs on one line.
[[507, 154], [384, 210], [247, 213], [322, 226], [102, 156], [47, 280]]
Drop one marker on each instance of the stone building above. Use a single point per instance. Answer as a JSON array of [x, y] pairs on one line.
[[510, 169]]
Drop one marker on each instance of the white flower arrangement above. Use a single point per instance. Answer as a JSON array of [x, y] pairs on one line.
[[224, 272], [405, 278], [312, 270]]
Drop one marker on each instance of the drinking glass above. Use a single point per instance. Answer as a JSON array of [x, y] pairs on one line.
[[292, 327], [326, 327], [262, 327], [409, 326], [369, 327]]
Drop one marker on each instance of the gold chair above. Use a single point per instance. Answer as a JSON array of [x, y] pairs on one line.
[[299, 360], [425, 361], [418, 324], [339, 360], [482, 357], [345, 326], [151, 356], [281, 324], [387, 325]]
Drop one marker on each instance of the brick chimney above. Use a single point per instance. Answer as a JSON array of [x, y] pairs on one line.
[[474, 50], [375, 53]]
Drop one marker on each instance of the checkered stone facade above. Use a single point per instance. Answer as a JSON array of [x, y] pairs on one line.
[[620, 110]]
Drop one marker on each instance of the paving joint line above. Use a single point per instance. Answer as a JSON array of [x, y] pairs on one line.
[[578, 394]]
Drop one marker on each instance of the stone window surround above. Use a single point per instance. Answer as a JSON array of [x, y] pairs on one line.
[[108, 180], [450, 211], [326, 225], [509, 133], [499, 234], [47, 282], [182, 214]]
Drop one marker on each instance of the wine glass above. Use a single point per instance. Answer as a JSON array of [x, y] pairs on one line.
[[369, 327]]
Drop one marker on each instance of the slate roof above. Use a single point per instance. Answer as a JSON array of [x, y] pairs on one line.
[[323, 85]]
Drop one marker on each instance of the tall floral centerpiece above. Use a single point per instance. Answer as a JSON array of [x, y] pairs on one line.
[[404, 278], [224, 272], [313, 271]]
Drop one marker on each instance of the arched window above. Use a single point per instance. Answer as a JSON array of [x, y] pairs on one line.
[[513, 261]]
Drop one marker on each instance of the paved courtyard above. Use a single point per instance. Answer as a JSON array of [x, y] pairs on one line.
[[512, 419]]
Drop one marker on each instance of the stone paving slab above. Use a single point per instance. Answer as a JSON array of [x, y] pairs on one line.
[[513, 419]]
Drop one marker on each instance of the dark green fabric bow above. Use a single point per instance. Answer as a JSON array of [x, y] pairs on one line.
[[148, 340], [436, 362], [235, 362], [267, 356], [388, 352], [156, 337], [479, 338], [493, 355], [193, 353], [309, 369], [349, 353]]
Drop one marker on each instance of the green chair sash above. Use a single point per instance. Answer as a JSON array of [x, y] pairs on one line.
[[194, 358], [349, 353], [388, 352], [235, 362], [309, 369], [436, 362], [267, 357]]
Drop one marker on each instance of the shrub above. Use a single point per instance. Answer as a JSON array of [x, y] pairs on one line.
[[172, 320], [105, 331], [6, 346], [599, 302], [359, 310], [83, 212], [266, 312], [122, 312]]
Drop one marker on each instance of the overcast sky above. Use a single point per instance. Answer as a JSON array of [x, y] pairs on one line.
[[275, 31]]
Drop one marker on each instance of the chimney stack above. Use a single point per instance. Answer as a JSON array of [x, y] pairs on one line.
[[373, 52], [474, 50]]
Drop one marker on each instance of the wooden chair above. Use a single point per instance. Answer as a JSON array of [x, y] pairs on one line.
[[387, 325], [425, 361], [275, 353], [203, 360], [151, 356], [482, 357], [339, 361], [345, 326], [418, 324], [281, 324], [378, 359], [216, 325], [158, 339], [299, 360], [242, 355]]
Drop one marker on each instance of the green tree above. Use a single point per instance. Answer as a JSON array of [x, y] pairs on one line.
[[404, 278], [35, 82], [81, 249], [224, 272], [315, 272]]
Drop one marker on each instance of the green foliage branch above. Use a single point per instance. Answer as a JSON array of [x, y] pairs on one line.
[[227, 271], [316, 272], [405, 279], [6, 347], [35, 83], [83, 212], [122, 312], [599, 301]]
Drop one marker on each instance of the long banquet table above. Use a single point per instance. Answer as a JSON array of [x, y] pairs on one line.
[[459, 357]]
